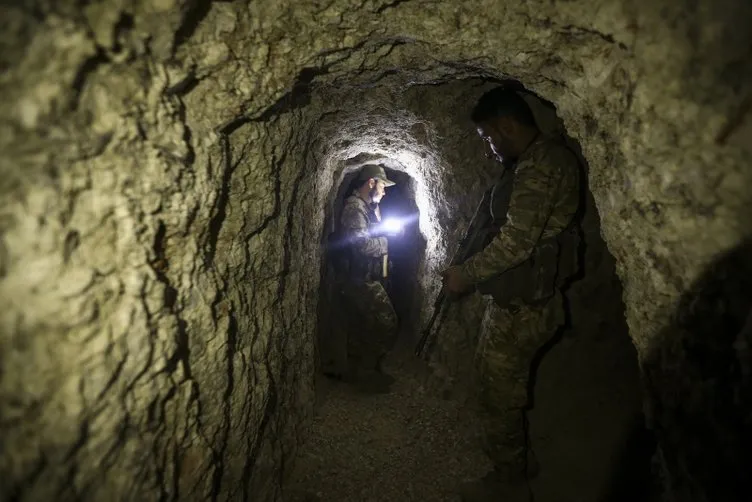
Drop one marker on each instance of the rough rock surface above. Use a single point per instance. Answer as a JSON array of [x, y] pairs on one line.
[[164, 169]]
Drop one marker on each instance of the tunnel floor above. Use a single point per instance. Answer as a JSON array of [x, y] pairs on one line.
[[408, 444], [586, 431]]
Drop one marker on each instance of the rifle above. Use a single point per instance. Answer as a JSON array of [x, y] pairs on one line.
[[470, 243]]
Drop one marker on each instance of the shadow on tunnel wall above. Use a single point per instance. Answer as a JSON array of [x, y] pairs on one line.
[[698, 385]]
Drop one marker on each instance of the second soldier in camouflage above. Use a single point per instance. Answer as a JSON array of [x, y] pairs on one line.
[[533, 203]]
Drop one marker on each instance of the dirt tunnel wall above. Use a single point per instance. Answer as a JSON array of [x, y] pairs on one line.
[[158, 310]]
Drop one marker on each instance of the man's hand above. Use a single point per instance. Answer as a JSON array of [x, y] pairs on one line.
[[455, 281]]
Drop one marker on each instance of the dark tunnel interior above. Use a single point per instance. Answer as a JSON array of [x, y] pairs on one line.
[[587, 370], [171, 327]]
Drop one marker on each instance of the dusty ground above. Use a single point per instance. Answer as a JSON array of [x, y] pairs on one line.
[[411, 445], [403, 446]]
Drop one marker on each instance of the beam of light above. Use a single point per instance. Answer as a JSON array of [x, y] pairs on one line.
[[392, 225]]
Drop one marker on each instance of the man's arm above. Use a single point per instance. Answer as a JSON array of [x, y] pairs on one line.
[[531, 203], [355, 225]]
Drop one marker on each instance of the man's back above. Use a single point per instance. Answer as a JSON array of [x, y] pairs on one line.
[[552, 158]]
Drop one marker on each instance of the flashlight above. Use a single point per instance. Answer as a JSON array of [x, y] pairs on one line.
[[392, 226]]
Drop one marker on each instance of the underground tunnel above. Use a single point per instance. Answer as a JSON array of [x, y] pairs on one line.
[[406, 252], [169, 173]]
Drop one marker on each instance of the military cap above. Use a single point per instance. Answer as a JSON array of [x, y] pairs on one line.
[[374, 171]]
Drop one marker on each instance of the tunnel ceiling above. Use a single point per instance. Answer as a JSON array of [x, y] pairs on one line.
[[158, 157]]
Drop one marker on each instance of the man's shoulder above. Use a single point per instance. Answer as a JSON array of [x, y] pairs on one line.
[[354, 210], [555, 148], [551, 153], [354, 199], [353, 202]]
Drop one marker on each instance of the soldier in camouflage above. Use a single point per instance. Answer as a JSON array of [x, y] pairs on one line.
[[372, 328], [533, 205]]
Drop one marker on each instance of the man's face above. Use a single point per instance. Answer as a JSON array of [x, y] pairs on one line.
[[378, 190], [498, 134]]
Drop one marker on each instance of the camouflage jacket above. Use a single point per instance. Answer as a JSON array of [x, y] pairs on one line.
[[356, 223], [543, 201]]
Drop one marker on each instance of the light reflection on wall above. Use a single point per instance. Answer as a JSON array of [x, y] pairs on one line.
[[388, 142]]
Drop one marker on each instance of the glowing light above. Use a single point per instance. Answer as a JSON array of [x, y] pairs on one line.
[[392, 225], [395, 225]]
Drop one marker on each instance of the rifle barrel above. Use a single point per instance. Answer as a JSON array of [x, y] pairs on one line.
[[460, 255], [427, 332]]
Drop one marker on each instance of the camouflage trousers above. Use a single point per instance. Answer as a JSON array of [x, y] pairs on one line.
[[509, 340], [371, 323]]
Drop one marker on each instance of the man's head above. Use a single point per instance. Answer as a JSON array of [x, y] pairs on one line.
[[504, 120], [373, 181]]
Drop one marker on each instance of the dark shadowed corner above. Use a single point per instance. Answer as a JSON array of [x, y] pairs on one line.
[[699, 387]]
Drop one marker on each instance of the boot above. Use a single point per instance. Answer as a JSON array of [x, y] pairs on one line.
[[379, 363], [383, 379], [495, 487]]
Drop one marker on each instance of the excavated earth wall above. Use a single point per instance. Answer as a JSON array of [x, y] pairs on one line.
[[164, 172]]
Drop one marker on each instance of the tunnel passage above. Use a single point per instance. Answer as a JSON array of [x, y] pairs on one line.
[[165, 165], [406, 256], [586, 427]]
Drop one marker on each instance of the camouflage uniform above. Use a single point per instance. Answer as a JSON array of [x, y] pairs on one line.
[[372, 321], [522, 268]]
